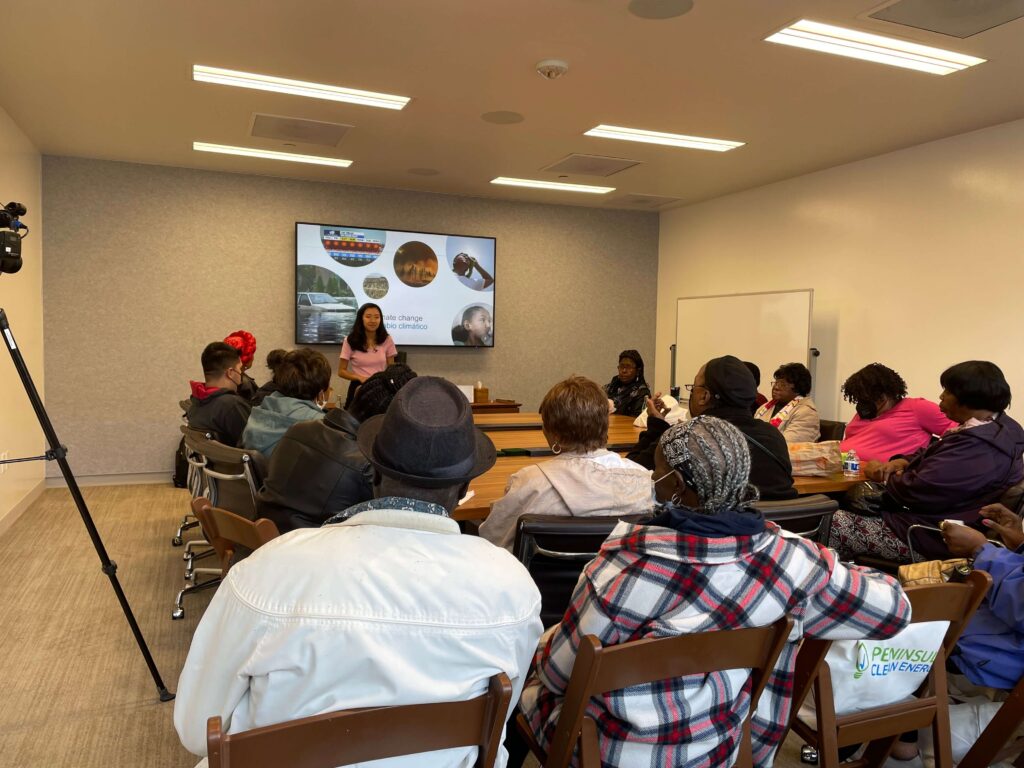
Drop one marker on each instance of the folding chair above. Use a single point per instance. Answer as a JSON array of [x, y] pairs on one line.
[[554, 549], [359, 735], [598, 670], [881, 726]]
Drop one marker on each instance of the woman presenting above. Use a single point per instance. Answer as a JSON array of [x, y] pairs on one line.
[[367, 350]]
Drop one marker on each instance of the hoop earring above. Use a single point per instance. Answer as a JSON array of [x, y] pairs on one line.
[[556, 449], [676, 499]]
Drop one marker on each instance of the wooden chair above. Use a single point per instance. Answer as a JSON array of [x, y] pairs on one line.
[[809, 516], [343, 738], [599, 669], [230, 534], [554, 549], [881, 726], [994, 745]]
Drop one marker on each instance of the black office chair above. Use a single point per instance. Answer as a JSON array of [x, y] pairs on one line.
[[809, 516], [554, 549], [831, 430]]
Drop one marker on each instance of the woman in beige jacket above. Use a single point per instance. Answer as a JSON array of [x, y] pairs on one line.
[[583, 479], [790, 410]]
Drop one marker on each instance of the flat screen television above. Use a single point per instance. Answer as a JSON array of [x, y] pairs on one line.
[[433, 289]]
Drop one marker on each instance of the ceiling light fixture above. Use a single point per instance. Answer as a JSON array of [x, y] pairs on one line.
[[656, 137], [863, 45], [554, 185], [202, 146], [296, 87]]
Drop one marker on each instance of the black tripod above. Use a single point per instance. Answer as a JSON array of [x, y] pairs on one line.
[[58, 453]]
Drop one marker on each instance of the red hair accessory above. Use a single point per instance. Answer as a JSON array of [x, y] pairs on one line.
[[245, 343]]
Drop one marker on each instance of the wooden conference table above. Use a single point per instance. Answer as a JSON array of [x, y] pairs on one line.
[[522, 432]]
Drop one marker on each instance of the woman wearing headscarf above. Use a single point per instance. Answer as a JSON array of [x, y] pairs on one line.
[[628, 391], [708, 562], [583, 479]]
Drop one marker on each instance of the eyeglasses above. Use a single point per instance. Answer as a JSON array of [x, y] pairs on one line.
[[629, 367]]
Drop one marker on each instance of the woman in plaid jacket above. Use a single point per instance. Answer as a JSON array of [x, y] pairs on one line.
[[707, 562]]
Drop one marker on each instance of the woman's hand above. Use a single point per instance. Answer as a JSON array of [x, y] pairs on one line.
[[998, 518], [881, 473], [963, 541], [656, 408]]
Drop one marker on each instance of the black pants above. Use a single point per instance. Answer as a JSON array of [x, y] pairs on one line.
[[517, 747], [352, 387]]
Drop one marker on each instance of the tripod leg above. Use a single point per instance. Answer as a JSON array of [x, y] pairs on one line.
[[60, 454]]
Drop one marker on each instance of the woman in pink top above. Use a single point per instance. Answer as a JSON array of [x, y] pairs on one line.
[[888, 423], [367, 350]]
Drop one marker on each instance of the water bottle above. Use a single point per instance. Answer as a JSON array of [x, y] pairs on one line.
[[851, 464]]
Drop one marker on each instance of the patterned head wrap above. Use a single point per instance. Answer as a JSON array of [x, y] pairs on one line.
[[245, 343], [713, 458]]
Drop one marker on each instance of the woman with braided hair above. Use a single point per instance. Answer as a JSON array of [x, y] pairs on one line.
[[707, 562]]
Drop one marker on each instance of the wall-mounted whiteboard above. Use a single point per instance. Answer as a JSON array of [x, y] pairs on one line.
[[764, 328]]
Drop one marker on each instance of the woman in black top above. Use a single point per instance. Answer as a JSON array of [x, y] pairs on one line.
[[629, 390]]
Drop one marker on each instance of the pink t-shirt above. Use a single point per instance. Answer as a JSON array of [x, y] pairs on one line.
[[902, 429], [368, 363]]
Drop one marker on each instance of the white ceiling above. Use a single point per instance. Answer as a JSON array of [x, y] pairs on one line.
[[112, 79]]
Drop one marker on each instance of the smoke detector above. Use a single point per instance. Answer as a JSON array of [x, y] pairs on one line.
[[552, 69]]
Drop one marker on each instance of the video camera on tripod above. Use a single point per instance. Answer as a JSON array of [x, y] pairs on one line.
[[10, 242]]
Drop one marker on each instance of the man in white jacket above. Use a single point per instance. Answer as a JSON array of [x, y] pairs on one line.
[[387, 604]]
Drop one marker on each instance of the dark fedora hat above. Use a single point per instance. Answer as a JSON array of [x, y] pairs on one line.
[[427, 437]]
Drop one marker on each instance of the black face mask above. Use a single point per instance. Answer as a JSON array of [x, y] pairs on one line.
[[867, 410]]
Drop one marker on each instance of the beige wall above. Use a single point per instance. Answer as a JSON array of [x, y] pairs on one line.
[[915, 259], [21, 296], [146, 264]]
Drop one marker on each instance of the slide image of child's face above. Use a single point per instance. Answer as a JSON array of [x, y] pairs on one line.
[[478, 328]]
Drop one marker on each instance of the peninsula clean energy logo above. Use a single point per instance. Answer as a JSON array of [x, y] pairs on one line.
[[880, 660]]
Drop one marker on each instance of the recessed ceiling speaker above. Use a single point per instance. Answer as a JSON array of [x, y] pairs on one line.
[[502, 117], [659, 9], [552, 69]]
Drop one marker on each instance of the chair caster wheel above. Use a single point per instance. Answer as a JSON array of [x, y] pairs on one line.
[[808, 755], [178, 613], [176, 541]]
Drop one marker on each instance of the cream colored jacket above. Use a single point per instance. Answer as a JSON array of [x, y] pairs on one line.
[[801, 425], [389, 607], [598, 483]]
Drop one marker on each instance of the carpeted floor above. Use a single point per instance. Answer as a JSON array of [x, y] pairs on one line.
[[74, 689]]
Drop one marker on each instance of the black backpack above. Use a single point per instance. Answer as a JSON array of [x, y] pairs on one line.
[[180, 476]]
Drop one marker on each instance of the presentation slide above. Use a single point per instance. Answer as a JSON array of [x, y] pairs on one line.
[[434, 289]]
